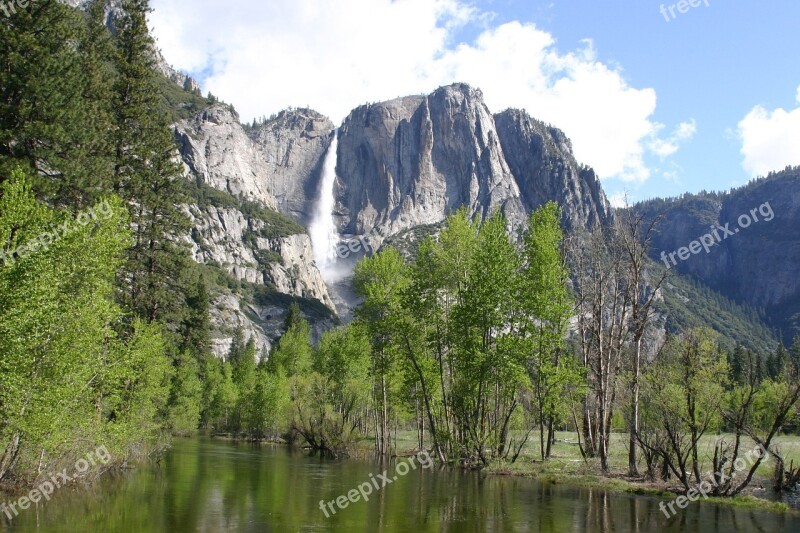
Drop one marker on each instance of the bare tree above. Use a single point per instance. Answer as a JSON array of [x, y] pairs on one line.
[[635, 236]]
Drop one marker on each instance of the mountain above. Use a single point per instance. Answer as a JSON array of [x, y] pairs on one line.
[[401, 165], [412, 161], [751, 262]]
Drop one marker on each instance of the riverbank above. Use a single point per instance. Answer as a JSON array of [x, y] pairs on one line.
[[567, 467], [553, 472]]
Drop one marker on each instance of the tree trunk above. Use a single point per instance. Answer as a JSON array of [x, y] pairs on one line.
[[633, 471]]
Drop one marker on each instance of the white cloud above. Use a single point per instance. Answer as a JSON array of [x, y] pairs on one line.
[[334, 56], [770, 139], [664, 148], [620, 200]]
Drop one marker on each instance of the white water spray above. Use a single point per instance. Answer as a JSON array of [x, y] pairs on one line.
[[324, 237]]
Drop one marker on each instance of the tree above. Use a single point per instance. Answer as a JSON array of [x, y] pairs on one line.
[[186, 397], [53, 117], [292, 356], [603, 310], [219, 394], [244, 378], [737, 364], [67, 375], [196, 323], [380, 280], [684, 391], [336, 396], [146, 174], [635, 237], [546, 309]]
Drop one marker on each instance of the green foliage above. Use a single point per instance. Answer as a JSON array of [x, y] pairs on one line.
[[146, 175], [464, 332], [274, 224], [178, 103], [54, 119], [67, 375], [186, 397], [292, 357], [681, 398], [262, 222], [546, 306]]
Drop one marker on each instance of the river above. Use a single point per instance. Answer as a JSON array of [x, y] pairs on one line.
[[204, 485]]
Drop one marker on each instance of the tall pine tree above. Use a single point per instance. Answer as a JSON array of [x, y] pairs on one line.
[[147, 174]]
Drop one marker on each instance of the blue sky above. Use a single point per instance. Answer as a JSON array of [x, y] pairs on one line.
[[704, 101], [713, 64]]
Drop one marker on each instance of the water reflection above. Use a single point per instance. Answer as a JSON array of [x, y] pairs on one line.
[[208, 486]]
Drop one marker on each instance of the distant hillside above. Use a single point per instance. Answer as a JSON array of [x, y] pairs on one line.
[[757, 265]]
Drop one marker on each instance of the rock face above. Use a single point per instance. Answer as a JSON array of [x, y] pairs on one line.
[[229, 239], [412, 161], [293, 146], [218, 153], [402, 165], [541, 159], [756, 265]]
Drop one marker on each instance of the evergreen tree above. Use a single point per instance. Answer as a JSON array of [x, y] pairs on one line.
[[147, 174], [51, 119], [776, 362], [738, 364], [237, 346], [196, 324], [794, 354]]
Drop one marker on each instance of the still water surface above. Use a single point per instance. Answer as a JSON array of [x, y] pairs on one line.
[[204, 485]]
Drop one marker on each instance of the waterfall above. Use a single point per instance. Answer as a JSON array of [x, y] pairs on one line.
[[324, 237]]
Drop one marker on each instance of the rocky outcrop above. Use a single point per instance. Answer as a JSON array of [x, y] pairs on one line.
[[541, 159], [230, 240], [412, 161], [218, 153], [293, 145]]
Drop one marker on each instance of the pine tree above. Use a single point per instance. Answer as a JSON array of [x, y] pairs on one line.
[[794, 354], [737, 364], [196, 324], [147, 174], [50, 86], [237, 346]]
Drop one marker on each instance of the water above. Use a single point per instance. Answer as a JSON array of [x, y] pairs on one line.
[[323, 232], [204, 485]]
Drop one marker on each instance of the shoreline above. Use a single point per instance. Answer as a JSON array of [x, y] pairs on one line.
[[622, 485]]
